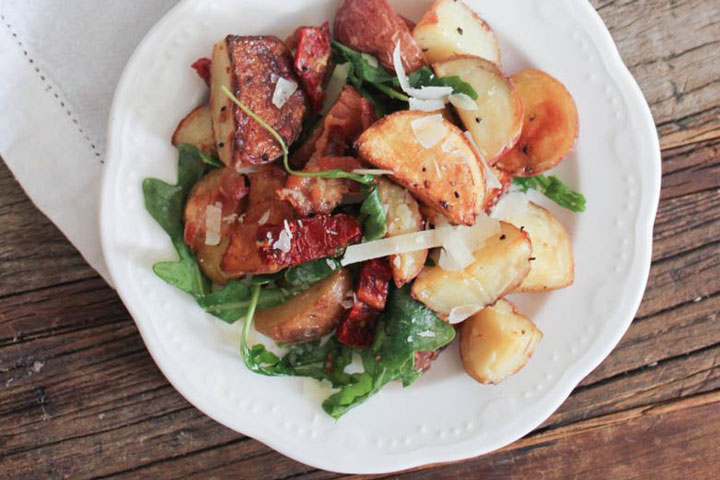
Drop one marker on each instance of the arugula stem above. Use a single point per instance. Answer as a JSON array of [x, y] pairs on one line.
[[335, 173], [255, 295], [391, 92]]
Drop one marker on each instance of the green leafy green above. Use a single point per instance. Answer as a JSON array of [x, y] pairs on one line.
[[211, 160], [373, 217], [553, 188], [233, 301], [309, 273], [166, 203], [424, 77], [405, 327]]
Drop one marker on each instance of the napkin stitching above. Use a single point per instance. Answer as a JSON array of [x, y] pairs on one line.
[[48, 87]]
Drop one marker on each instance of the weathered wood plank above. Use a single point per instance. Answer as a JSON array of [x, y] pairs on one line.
[[33, 252]]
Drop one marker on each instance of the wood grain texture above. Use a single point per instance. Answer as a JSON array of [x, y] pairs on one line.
[[81, 398]]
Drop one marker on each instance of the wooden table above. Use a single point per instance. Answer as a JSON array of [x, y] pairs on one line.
[[80, 396]]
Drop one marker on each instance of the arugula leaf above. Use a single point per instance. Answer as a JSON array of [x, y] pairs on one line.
[[309, 273], [374, 218], [553, 188], [424, 77], [234, 300], [166, 203], [211, 160], [405, 327]]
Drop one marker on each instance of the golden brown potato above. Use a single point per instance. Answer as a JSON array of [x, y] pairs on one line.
[[498, 120], [445, 174], [550, 127], [373, 27], [552, 266], [403, 216], [309, 315], [222, 188], [451, 28], [500, 266], [250, 67], [264, 208], [196, 129], [497, 342]]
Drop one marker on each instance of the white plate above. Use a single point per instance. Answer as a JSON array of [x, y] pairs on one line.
[[445, 415]]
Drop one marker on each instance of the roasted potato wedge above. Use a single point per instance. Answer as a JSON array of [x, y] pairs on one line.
[[452, 28], [497, 342], [445, 174], [372, 26], [552, 265], [496, 192], [550, 128], [403, 216], [196, 129], [250, 67], [500, 266], [222, 188], [264, 208], [309, 315], [498, 121]]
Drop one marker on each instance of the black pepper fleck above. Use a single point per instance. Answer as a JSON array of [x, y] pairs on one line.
[[522, 229], [532, 259], [425, 50], [221, 144], [526, 150], [478, 120], [503, 236], [445, 205], [457, 195], [265, 157], [460, 30], [424, 169], [427, 184], [223, 108]]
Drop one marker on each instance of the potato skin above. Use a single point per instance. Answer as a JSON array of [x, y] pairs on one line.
[[309, 315], [500, 266], [242, 256], [372, 26], [550, 126], [450, 28], [220, 186], [254, 61], [447, 179], [497, 342], [196, 129], [552, 267]]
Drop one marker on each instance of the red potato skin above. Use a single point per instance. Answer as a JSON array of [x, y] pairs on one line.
[[357, 330], [373, 27], [254, 60], [242, 256], [309, 195], [311, 238], [424, 360], [229, 190], [313, 61], [202, 68], [374, 283], [350, 115]]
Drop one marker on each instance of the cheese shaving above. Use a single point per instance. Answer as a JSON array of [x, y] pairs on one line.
[[213, 224], [265, 216], [283, 91], [462, 313], [429, 130], [459, 243], [426, 105], [510, 205], [424, 93], [462, 102], [337, 82], [246, 170], [370, 171]]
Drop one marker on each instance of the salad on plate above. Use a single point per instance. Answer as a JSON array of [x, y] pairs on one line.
[[358, 199]]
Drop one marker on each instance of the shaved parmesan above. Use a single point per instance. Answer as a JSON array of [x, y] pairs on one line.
[[510, 205], [459, 243], [426, 105], [246, 170], [462, 313], [283, 91], [429, 130], [462, 101], [424, 93], [213, 223], [491, 180], [265, 216], [371, 171], [283, 242], [385, 247]]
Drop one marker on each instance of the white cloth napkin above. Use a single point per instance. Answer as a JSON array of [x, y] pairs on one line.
[[59, 63]]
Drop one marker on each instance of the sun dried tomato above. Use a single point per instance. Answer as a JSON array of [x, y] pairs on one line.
[[312, 61], [357, 330], [202, 68], [374, 282], [299, 241]]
